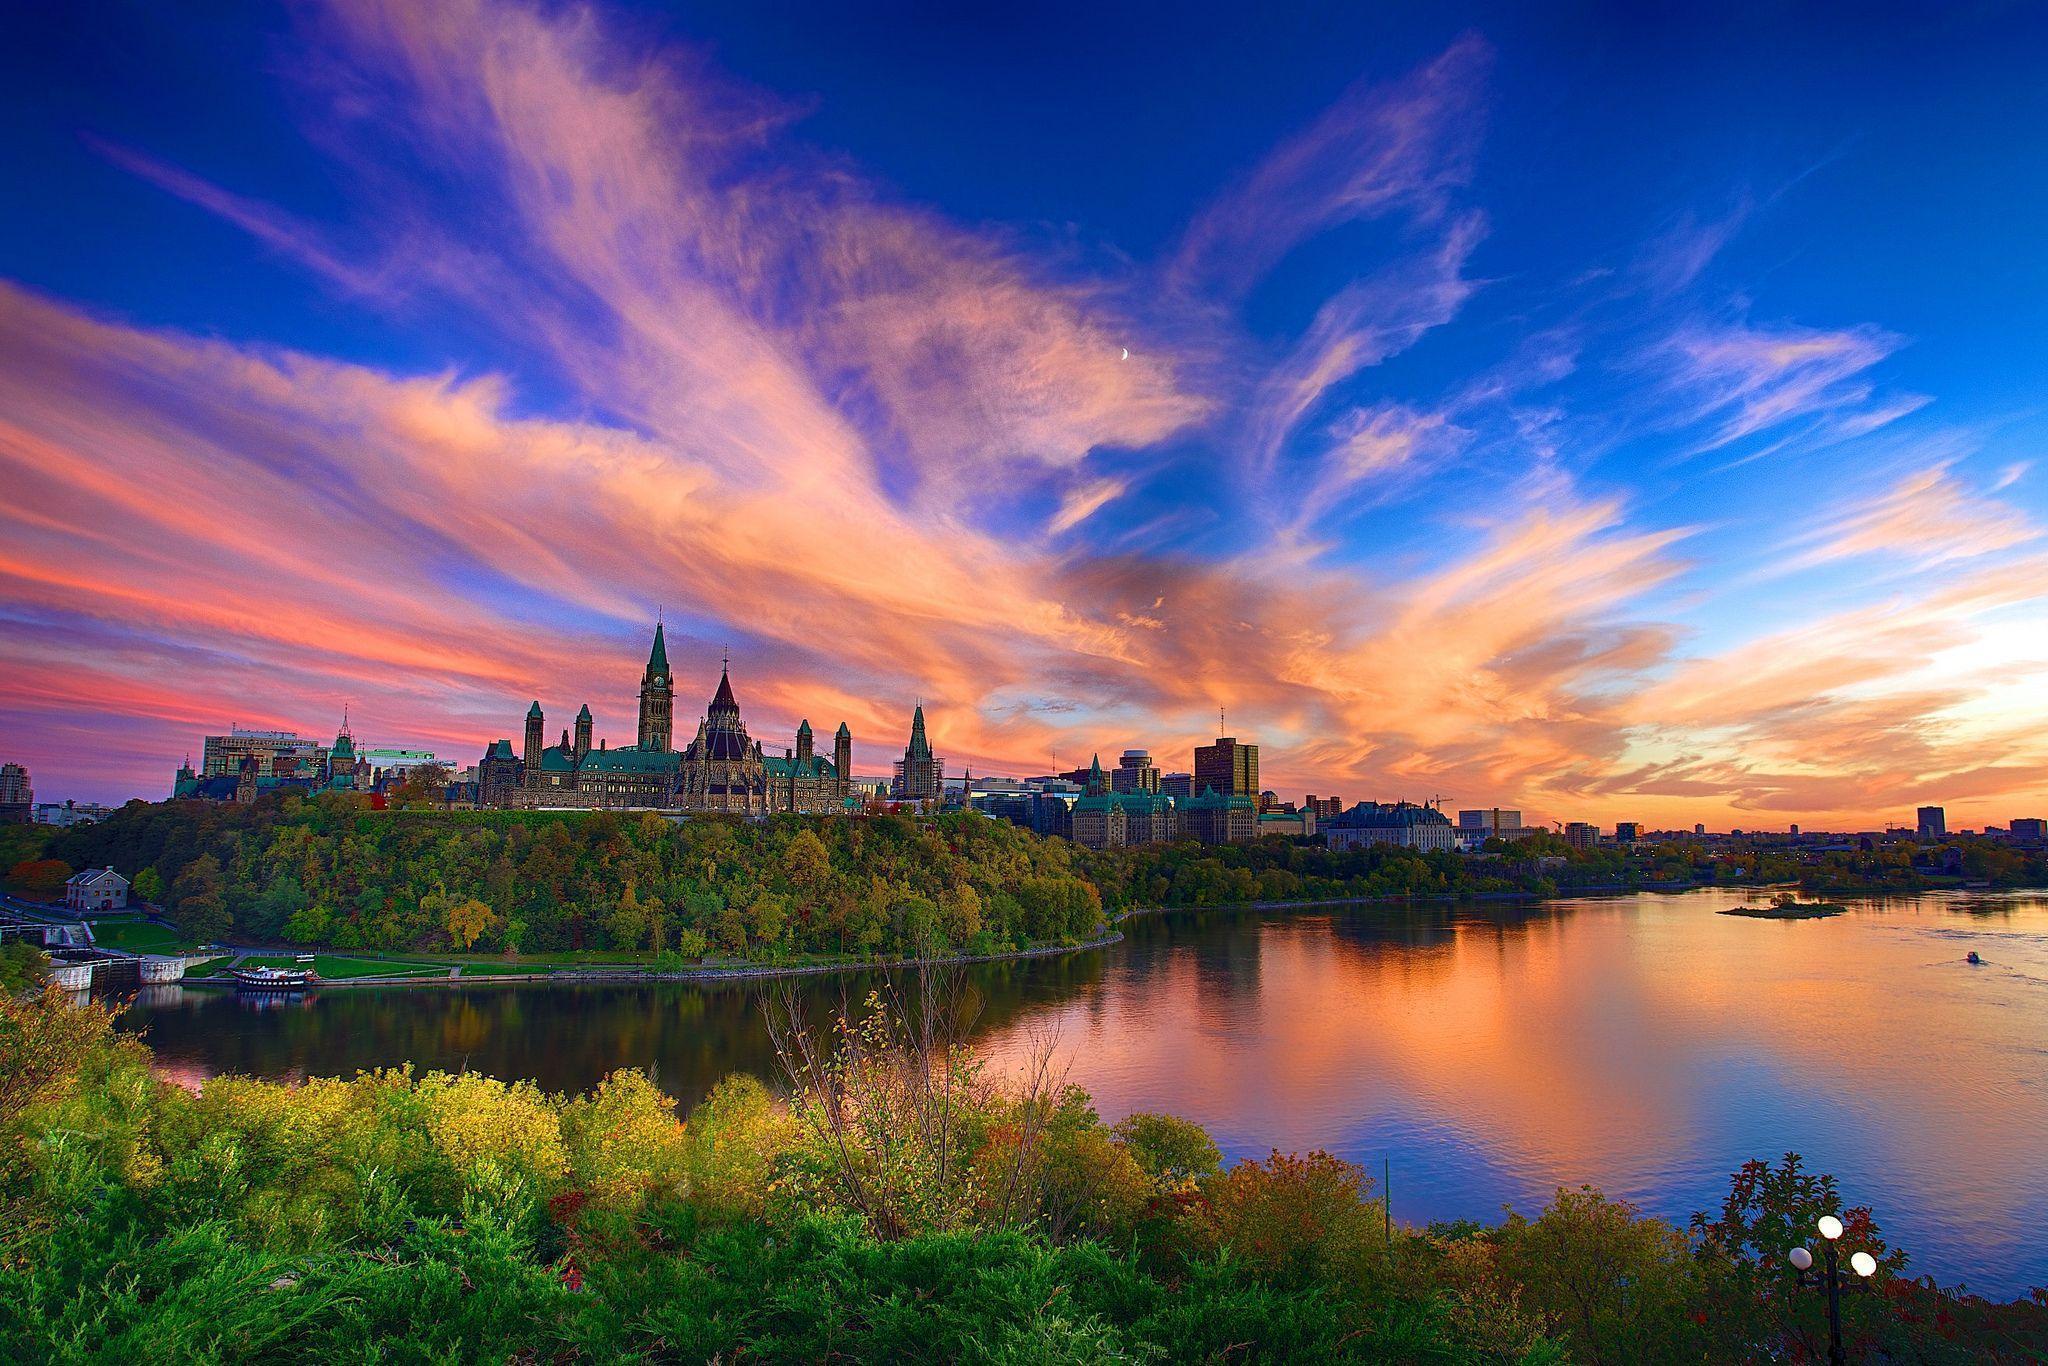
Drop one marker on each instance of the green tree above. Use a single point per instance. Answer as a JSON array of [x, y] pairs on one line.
[[198, 901], [149, 885]]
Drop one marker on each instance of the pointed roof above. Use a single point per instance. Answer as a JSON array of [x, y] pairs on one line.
[[657, 658], [722, 700], [920, 748], [584, 715], [844, 731], [803, 727], [533, 712]]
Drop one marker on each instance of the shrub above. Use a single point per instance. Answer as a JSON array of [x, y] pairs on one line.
[[1296, 1219]]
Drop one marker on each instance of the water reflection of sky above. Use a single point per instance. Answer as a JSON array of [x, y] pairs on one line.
[[1646, 1045]]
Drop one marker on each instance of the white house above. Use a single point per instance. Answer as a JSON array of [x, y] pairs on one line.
[[96, 889]]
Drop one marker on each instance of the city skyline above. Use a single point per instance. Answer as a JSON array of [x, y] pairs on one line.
[[1618, 434]]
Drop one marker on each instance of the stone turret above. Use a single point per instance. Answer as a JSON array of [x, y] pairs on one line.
[[804, 748], [536, 741], [842, 759], [657, 698], [583, 731]]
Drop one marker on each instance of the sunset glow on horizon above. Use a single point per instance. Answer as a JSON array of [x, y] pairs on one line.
[[1646, 432]]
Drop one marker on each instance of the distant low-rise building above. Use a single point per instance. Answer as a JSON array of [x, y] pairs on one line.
[[1179, 786], [1400, 823], [66, 814], [1628, 832], [278, 754], [2028, 828], [1220, 817], [1293, 824], [1492, 820], [1581, 834], [96, 889]]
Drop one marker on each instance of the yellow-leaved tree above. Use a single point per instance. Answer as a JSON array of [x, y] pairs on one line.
[[468, 921]]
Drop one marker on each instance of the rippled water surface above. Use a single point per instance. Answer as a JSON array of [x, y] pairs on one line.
[[1489, 1054]]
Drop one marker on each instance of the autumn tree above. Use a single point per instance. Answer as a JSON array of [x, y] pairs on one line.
[[468, 921]]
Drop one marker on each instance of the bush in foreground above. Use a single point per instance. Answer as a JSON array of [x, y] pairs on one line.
[[436, 1217]]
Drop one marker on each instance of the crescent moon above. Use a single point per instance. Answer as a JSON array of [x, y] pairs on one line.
[[1127, 353]]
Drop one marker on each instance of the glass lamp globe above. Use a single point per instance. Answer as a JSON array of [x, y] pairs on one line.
[[1801, 1259], [1863, 1264], [1830, 1227]]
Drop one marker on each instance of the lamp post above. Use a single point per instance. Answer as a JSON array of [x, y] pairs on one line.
[[1862, 1263]]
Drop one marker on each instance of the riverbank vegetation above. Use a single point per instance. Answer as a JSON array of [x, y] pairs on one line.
[[889, 1199], [331, 872], [1786, 906]]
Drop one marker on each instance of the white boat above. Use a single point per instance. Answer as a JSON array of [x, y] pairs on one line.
[[274, 979]]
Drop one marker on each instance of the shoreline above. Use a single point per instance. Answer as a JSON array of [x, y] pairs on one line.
[[624, 975]]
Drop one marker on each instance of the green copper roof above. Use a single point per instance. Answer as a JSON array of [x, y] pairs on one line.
[[657, 658], [785, 768], [1211, 800], [803, 727], [555, 759], [584, 715], [533, 712]]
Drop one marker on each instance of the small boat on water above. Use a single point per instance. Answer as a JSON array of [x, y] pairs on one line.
[[274, 979], [1973, 958]]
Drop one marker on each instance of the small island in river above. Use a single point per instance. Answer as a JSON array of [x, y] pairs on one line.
[[1786, 906]]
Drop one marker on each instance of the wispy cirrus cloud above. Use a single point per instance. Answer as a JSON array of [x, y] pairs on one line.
[[1360, 326], [1382, 147], [1742, 381], [1923, 520], [887, 453]]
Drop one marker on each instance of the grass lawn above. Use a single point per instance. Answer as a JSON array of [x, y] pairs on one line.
[[531, 962], [136, 936], [335, 967], [211, 965]]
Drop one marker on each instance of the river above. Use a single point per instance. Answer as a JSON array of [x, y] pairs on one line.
[[1486, 1054]]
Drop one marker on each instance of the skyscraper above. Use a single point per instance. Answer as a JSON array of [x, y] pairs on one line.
[[1227, 767], [17, 798], [1933, 823]]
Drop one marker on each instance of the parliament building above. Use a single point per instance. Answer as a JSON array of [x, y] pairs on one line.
[[721, 769]]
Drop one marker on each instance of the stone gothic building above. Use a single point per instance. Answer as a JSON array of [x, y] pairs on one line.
[[721, 769], [920, 774]]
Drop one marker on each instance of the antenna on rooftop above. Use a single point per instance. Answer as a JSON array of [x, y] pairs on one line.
[[1219, 723]]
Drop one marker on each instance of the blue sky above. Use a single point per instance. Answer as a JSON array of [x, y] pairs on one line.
[[1619, 415]]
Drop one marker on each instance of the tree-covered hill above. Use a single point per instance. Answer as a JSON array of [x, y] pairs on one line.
[[331, 871]]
